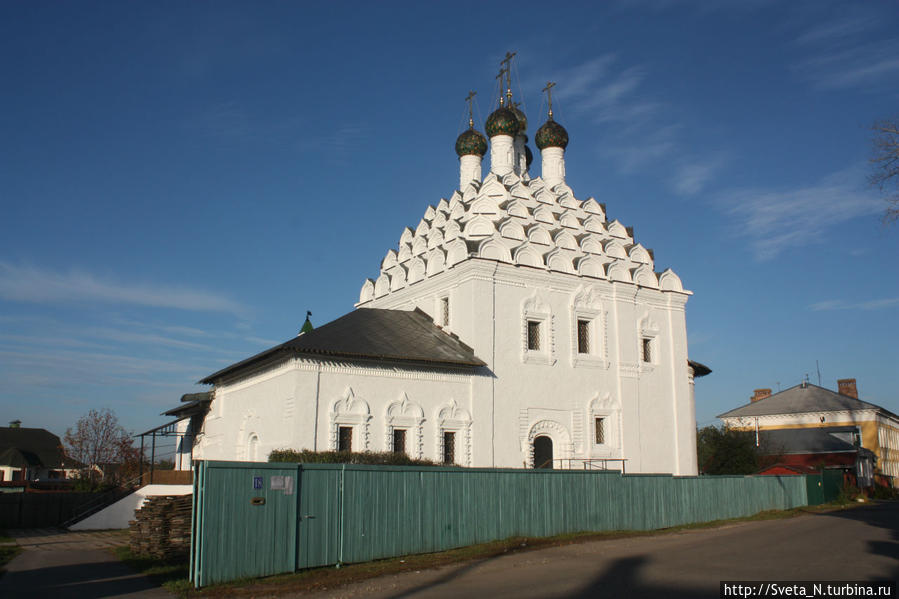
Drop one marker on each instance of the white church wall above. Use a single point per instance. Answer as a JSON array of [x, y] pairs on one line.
[[648, 406], [300, 404]]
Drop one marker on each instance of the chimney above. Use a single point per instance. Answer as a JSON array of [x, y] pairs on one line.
[[18, 423], [760, 394], [847, 387]]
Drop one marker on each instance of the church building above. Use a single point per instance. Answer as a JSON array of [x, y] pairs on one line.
[[515, 325]]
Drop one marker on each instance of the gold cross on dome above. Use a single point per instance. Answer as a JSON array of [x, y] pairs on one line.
[[549, 94], [469, 98], [507, 65], [499, 76]]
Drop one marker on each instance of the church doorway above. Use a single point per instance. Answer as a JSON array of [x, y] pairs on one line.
[[543, 452]]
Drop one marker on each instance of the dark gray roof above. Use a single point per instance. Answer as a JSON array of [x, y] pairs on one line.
[[806, 440], [32, 447], [371, 334], [800, 399]]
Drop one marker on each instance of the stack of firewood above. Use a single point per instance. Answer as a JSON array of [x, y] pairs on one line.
[[161, 527]]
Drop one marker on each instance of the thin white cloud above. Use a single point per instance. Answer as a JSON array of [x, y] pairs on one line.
[[691, 178], [775, 220], [33, 285], [841, 54], [838, 30], [643, 151], [877, 304]]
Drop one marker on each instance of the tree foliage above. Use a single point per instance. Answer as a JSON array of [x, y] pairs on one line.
[[103, 445], [885, 164], [726, 451]]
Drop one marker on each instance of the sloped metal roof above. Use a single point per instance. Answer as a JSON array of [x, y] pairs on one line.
[[805, 440], [801, 399], [372, 334]]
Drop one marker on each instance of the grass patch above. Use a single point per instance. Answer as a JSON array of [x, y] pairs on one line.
[[5, 538], [173, 576]]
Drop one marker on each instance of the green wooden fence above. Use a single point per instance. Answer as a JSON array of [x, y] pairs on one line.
[[258, 519]]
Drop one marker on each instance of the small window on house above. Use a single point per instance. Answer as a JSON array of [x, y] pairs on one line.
[[449, 448], [600, 433], [583, 336], [345, 438], [647, 349], [399, 440], [444, 311], [533, 335]]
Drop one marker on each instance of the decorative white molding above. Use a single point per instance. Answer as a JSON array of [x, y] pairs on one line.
[[535, 309], [451, 418], [350, 411], [407, 415], [562, 446]]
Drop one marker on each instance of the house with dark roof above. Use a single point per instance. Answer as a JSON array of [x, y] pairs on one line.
[[831, 414], [33, 454]]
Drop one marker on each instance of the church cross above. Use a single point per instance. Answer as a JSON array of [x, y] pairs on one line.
[[469, 99], [507, 65], [549, 94], [502, 71]]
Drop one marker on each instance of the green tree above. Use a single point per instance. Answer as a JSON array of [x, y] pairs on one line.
[[885, 164], [726, 451]]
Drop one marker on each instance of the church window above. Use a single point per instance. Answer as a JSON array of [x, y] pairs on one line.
[[583, 336], [445, 311], [533, 335], [600, 431], [345, 438], [449, 448], [399, 440], [647, 350]]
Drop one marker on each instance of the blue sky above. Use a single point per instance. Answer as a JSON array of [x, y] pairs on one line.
[[180, 182]]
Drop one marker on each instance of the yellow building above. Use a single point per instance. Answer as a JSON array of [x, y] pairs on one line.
[[810, 406]]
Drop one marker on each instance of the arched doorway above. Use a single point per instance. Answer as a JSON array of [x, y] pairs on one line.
[[543, 452]]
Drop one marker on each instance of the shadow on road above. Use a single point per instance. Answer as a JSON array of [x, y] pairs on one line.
[[622, 579]]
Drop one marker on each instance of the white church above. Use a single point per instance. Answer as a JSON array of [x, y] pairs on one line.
[[514, 326]]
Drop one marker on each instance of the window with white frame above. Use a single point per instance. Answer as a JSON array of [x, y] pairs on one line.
[[399, 440], [534, 335], [345, 438], [599, 430], [648, 343], [445, 311], [404, 420], [587, 329], [536, 332], [603, 413]]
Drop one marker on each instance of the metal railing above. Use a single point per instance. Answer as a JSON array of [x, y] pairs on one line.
[[589, 463]]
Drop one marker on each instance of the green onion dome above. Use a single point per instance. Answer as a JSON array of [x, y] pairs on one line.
[[502, 121], [522, 119], [551, 135], [471, 142], [528, 156]]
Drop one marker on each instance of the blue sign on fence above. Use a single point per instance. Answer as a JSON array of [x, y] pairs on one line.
[[257, 482]]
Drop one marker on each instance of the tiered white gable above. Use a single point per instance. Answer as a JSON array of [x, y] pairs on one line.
[[520, 221]]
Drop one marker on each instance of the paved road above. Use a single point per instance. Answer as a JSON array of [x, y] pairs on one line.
[[63, 565], [857, 544]]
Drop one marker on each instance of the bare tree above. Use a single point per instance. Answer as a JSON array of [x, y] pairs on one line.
[[885, 164], [99, 442]]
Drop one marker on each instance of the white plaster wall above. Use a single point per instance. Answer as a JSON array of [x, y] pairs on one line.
[[117, 515], [653, 406], [292, 406]]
